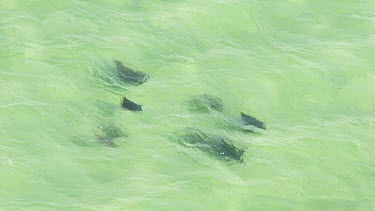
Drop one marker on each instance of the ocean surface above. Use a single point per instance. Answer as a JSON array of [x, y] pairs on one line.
[[305, 68]]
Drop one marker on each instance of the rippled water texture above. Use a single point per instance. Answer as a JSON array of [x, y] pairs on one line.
[[305, 68]]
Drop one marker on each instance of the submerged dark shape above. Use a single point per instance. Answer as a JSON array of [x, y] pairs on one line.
[[205, 102], [129, 75], [217, 146], [130, 105], [107, 142], [249, 120], [109, 132]]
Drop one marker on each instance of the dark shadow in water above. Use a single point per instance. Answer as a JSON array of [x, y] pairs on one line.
[[205, 103], [108, 133], [130, 105], [130, 76], [244, 123], [249, 120], [217, 146]]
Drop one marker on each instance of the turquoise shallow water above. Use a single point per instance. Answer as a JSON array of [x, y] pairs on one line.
[[305, 68]]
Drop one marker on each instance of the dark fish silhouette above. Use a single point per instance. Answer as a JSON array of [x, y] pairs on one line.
[[129, 75], [205, 102], [249, 120], [217, 146], [130, 105]]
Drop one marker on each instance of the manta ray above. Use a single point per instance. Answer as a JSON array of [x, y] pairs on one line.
[[219, 147], [129, 75]]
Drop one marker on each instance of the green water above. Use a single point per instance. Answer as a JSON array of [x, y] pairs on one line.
[[305, 68]]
